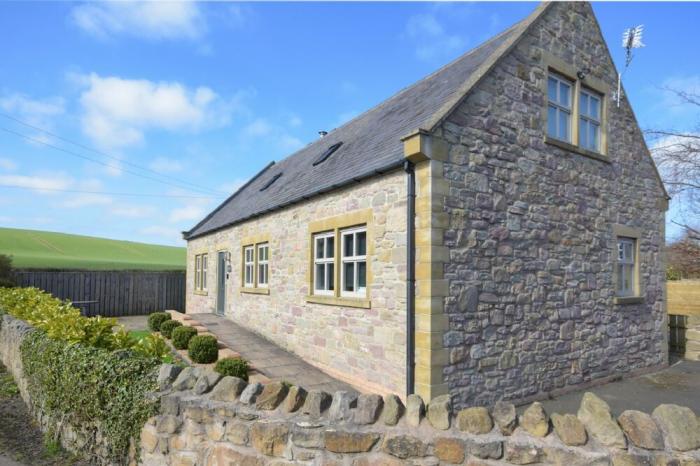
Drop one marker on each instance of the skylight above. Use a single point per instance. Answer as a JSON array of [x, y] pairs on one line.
[[272, 180], [322, 158]]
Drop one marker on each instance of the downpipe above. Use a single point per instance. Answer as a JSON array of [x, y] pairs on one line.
[[410, 276]]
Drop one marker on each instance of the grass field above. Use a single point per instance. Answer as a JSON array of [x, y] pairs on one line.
[[47, 250]]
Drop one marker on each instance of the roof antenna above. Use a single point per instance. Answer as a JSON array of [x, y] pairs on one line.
[[631, 39], [322, 133]]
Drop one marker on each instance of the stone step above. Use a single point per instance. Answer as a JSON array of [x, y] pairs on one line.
[[228, 353], [200, 328]]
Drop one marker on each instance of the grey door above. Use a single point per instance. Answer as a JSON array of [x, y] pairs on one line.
[[221, 283]]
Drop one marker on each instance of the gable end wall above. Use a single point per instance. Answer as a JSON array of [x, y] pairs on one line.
[[530, 237]]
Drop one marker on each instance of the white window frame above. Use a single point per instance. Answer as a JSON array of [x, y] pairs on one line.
[[263, 265], [197, 271], [355, 259], [590, 121], [626, 262], [203, 280], [325, 262], [249, 267], [559, 107]]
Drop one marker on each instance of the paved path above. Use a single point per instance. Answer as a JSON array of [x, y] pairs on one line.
[[273, 361], [678, 384]]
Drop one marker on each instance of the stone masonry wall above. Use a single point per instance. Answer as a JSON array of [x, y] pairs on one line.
[[354, 344], [531, 282], [207, 420]]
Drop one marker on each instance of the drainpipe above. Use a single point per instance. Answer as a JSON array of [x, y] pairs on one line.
[[410, 276]]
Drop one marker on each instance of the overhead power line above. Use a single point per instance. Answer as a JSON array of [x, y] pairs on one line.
[[104, 154], [105, 164], [106, 193]]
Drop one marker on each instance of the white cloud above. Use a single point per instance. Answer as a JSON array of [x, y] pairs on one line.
[[345, 117], [294, 121], [233, 186], [163, 234], [117, 111], [133, 211], [166, 165], [156, 20], [7, 164], [39, 183], [259, 127], [191, 210], [289, 143], [431, 39], [86, 200], [673, 103], [36, 112]]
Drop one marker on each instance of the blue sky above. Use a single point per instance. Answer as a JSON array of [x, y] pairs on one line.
[[180, 103]]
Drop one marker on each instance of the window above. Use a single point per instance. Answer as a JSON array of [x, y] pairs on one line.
[[263, 270], [272, 180], [248, 266], [354, 263], [589, 121], [324, 263], [200, 272], [559, 108], [626, 266], [328, 152]]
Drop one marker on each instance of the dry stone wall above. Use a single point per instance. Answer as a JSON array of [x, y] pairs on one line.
[[214, 421]]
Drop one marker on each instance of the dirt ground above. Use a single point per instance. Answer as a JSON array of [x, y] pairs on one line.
[[21, 441]]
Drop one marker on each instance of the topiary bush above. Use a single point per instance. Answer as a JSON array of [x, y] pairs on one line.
[[236, 367], [167, 327], [203, 349], [157, 318], [182, 336]]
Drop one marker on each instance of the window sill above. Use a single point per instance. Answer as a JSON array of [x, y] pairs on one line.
[[255, 290], [337, 301], [201, 292], [572, 148], [629, 300]]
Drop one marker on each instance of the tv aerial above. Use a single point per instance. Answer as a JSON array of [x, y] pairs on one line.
[[631, 39]]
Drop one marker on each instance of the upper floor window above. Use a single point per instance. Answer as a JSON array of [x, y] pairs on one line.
[[559, 108], [263, 261], [200, 272], [626, 266], [354, 262], [248, 266], [589, 120]]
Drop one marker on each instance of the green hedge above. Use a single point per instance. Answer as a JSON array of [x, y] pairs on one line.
[[155, 319], [87, 386], [236, 367], [167, 327], [182, 336], [203, 349]]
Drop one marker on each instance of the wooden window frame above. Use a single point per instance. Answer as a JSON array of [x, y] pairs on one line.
[[325, 262], [355, 259], [246, 263], [260, 264], [628, 233], [595, 121], [255, 243], [333, 226], [558, 68], [200, 273], [559, 106]]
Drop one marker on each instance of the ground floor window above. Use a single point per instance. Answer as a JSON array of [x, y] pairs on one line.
[[263, 268], [200, 272], [248, 266], [626, 266], [340, 262], [324, 263]]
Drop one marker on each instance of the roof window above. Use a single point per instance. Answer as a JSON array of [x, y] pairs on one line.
[[322, 158], [272, 180]]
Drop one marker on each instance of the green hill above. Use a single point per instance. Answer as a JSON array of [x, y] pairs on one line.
[[47, 250]]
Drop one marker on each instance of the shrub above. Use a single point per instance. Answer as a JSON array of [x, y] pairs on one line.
[[236, 367], [157, 318], [7, 278], [167, 327], [89, 387], [203, 349], [153, 345], [182, 336]]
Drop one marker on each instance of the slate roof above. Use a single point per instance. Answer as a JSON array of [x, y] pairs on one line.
[[371, 142]]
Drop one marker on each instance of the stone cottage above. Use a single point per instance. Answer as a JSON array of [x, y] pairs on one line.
[[493, 231]]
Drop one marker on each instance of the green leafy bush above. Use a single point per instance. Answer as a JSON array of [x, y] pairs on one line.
[[153, 345], [167, 327], [236, 367], [203, 349], [157, 318], [182, 336], [87, 387]]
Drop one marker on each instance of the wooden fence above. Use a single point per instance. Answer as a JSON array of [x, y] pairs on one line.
[[111, 293], [683, 309]]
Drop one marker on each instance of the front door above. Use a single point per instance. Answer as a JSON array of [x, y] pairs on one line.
[[221, 283]]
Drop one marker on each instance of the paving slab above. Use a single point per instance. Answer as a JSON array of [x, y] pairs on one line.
[[273, 361], [678, 384]]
